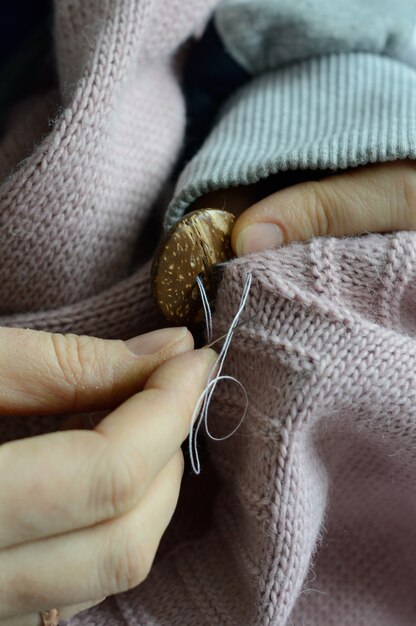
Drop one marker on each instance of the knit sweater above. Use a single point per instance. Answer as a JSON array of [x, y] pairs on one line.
[[306, 514]]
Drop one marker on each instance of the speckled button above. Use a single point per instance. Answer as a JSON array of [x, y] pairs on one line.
[[192, 247]]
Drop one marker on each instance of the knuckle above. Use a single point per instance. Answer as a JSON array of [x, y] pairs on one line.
[[317, 210], [119, 484], [406, 197], [127, 563], [69, 357], [82, 362]]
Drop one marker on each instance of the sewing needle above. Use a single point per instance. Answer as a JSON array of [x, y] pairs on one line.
[[237, 326]]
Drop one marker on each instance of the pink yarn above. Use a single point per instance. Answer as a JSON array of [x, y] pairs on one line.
[[71, 213], [307, 514]]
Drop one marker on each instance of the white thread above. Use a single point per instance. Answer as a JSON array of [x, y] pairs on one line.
[[207, 308], [205, 397]]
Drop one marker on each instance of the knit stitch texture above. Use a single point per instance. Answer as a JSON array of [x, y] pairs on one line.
[[313, 516], [307, 514], [74, 199]]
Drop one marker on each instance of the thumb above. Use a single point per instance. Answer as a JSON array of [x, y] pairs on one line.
[[379, 198], [51, 373]]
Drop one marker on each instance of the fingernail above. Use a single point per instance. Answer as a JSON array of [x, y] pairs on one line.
[[259, 237], [150, 343]]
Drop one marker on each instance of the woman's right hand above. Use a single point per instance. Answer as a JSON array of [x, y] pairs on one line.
[[82, 511]]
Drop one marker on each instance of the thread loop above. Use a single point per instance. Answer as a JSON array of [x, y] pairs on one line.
[[200, 414]]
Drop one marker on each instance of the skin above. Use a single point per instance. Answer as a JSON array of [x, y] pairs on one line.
[[377, 198], [97, 501], [98, 496]]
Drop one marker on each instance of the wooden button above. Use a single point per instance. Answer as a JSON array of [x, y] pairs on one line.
[[192, 247]]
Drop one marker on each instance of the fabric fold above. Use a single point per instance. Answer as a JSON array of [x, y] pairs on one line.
[[312, 521], [325, 113]]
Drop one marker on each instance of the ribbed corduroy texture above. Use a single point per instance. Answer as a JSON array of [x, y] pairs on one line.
[[326, 113], [307, 514]]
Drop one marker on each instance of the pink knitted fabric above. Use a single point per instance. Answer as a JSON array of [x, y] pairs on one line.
[[75, 199], [307, 514]]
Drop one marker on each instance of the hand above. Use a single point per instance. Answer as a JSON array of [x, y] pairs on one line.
[[377, 198], [82, 511]]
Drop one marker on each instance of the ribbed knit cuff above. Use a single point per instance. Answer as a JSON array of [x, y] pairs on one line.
[[327, 113]]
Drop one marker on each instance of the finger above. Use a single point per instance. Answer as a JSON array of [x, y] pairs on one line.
[[34, 619], [83, 421], [379, 198], [51, 373], [109, 558], [67, 480]]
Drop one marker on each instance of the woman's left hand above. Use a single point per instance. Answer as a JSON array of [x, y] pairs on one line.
[[376, 198]]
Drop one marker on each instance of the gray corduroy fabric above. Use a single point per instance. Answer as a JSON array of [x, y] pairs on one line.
[[328, 112]]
